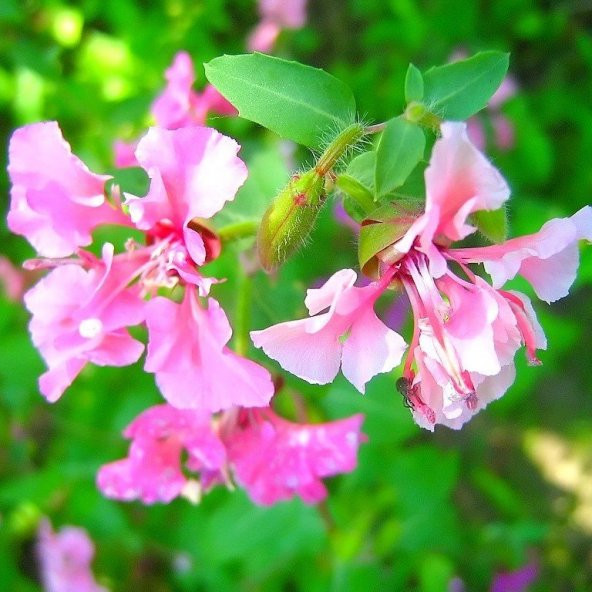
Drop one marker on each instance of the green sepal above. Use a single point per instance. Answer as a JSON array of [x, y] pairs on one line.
[[381, 229], [492, 224], [356, 192]]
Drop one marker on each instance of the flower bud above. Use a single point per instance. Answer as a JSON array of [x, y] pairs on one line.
[[289, 220]]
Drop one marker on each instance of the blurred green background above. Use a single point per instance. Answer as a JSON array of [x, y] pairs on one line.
[[513, 485]]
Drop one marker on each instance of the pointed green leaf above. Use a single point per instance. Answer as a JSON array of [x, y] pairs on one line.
[[457, 91], [356, 191], [400, 148], [492, 224], [362, 168], [413, 84], [297, 102], [132, 180]]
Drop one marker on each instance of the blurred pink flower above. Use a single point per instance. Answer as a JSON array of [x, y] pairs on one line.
[[179, 105], [56, 202], [518, 580], [65, 559], [275, 16], [152, 471], [274, 459], [349, 335]]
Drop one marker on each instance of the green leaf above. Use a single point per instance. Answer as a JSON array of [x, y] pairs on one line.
[[457, 91], [356, 191], [435, 573], [132, 180], [400, 148], [297, 102], [361, 168], [492, 224], [413, 84]]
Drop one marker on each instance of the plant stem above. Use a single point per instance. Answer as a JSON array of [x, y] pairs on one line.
[[238, 230], [243, 314]]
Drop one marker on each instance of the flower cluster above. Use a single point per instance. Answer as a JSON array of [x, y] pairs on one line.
[[466, 331], [83, 308], [271, 458]]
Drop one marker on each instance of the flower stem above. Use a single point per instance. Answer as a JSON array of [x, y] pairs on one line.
[[243, 314], [238, 230]]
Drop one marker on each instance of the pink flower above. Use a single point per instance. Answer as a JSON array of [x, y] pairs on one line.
[[179, 105], [153, 472], [65, 559], [264, 36], [290, 14], [349, 335], [80, 315], [274, 459], [193, 172], [275, 16], [548, 259], [194, 368], [466, 332], [459, 181], [56, 202]]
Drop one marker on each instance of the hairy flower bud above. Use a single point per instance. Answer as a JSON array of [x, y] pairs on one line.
[[289, 220]]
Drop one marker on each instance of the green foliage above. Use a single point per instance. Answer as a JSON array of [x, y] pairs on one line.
[[133, 180], [297, 102], [400, 148], [413, 84], [458, 90], [420, 507], [492, 224]]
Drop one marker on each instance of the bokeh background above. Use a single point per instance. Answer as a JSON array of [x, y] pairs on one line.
[[513, 488]]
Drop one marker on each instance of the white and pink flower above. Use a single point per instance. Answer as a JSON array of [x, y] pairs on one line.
[[466, 331], [348, 335]]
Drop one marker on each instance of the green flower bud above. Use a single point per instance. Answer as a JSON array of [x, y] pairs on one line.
[[418, 113], [289, 220]]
